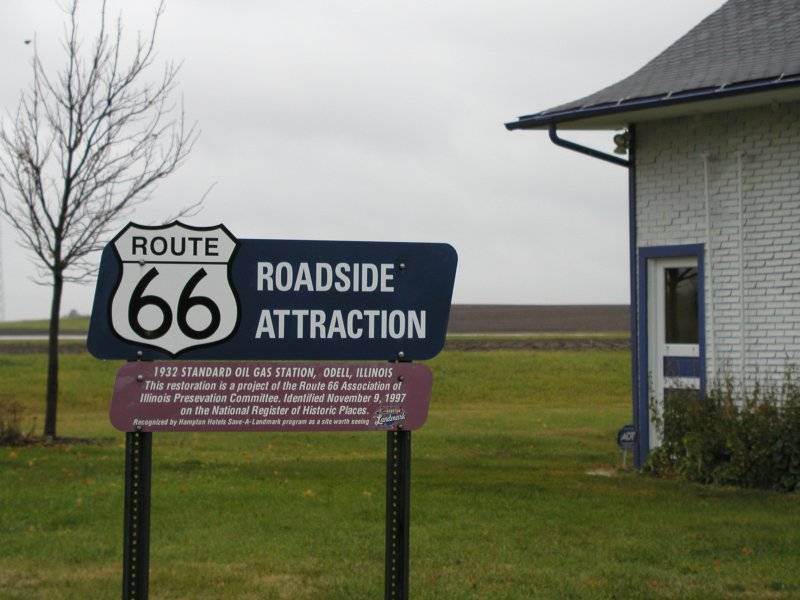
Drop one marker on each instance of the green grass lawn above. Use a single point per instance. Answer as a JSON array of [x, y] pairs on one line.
[[503, 506]]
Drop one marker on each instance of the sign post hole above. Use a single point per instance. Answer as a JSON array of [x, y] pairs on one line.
[[398, 500], [136, 536]]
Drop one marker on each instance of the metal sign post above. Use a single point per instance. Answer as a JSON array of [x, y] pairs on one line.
[[136, 537], [398, 514]]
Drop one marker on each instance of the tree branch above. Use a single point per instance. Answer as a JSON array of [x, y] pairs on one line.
[[89, 143]]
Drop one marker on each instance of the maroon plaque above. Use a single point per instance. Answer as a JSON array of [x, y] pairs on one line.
[[250, 396]]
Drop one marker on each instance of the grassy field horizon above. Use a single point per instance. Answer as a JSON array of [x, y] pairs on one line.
[[465, 319], [473, 328], [516, 494], [76, 325]]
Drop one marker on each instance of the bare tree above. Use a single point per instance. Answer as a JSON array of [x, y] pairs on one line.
[[87, 144]]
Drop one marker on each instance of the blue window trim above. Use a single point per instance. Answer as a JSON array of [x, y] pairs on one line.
[[642, 392], [682, 366]]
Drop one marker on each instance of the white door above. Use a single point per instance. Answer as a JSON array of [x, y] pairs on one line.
[[673, 329]]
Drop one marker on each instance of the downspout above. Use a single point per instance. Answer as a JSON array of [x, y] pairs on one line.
[[630, 164], [710, 269], [639, 452]]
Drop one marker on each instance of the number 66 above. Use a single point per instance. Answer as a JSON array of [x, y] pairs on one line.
[[186, 302]]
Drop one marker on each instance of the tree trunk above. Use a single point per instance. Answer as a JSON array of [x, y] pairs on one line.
[[51, 399]]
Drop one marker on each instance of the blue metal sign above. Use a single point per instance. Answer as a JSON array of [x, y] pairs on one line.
[[177, 291]]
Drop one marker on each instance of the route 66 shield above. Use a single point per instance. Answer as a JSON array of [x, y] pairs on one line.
[[174, 292]]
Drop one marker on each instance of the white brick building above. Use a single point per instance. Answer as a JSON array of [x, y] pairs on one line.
[[711, 128], [753, 183]]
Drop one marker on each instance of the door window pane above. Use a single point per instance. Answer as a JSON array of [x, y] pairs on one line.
[[680, 303]]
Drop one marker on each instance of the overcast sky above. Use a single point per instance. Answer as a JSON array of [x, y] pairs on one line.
[[378, 120]]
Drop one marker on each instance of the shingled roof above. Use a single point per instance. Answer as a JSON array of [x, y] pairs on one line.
[[746, 47]]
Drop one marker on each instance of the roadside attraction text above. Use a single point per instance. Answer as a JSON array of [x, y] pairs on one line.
[[200, 292]]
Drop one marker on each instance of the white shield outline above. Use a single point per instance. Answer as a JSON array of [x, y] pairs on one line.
[[229, 273]]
